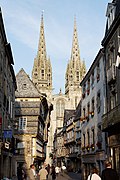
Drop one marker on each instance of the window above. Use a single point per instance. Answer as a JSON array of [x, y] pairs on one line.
[[93, 136], [93, 105], [98, 73], [84, 90], [84, 140], [22, 123], [88, 137], [84, 112], [60, 106], [110, 13], [24, 86], [98, 102], [112, 101], [88, 108], [92, 80], [88, 87]]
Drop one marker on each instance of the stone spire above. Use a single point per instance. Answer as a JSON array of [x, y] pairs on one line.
[[41, 46], [42, 69], [75, 53], [74, 72]]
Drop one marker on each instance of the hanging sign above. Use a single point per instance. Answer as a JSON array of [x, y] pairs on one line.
[[7, 134]]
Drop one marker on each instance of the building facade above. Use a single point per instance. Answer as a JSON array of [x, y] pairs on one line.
[[93, 141], [32, 114], [7, 99], [111, 117]]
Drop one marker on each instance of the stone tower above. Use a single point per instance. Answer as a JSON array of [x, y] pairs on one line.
[[75, 71], [42, 70]]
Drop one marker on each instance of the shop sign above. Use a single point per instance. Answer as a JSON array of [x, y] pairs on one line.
[[7, 134]]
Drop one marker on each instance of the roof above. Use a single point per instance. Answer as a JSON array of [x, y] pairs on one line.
[[25, 87]]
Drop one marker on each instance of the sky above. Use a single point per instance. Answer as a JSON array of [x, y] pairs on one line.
[[22, 19]]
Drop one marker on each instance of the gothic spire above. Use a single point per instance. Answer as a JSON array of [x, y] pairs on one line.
[[74, 72], [41, 45], [75, 53], [42, 69]]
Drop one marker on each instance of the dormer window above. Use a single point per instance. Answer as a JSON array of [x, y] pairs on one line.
[[110, 13]]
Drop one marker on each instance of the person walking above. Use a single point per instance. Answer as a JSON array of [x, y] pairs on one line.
[[94, 174], [109, 173], [53, 173], [19, 172], [32, 173], [43, 173], [57, 170]]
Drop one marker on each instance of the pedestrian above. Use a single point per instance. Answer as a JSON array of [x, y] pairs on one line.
[[43, 173], [94, 174], [48, 169], [63, 169], [24, 172], [53, 173], [19, 172], [32, 173], [57, 170], [109, 173]]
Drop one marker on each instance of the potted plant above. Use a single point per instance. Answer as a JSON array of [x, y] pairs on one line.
[[91, 113], [83, 148], [88, 147]]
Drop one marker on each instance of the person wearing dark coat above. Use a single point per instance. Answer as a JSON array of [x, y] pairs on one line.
[[53, 173], [19, 172], [109, 173]]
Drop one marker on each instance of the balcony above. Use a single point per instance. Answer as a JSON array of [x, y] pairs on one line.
[[111, 74], [111, 118]]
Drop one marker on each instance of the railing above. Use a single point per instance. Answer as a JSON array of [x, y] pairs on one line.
[[111, 118]]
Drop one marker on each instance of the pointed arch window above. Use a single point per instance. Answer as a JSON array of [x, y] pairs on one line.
[[60, 106]]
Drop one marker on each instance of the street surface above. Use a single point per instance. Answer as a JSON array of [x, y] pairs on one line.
[[68, 176], [61, 176]]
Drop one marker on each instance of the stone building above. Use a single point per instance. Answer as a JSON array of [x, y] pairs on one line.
[[7, 99], [111, 117], [77, 135], [93, 140], [69, 140], [42, 78], [59, 152], [32, 113]]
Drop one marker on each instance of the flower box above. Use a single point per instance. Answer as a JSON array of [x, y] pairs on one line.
[[92, 146], [83, 148], [88, 147]]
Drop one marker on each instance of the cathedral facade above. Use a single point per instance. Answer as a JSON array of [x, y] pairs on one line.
[[42, 79]]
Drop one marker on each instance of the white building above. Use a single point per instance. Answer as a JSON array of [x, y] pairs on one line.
[[93, 97]]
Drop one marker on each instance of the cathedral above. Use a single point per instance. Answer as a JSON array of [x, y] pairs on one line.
[[42, 79]]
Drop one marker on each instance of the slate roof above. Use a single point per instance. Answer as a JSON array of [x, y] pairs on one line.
[[25, 86]]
